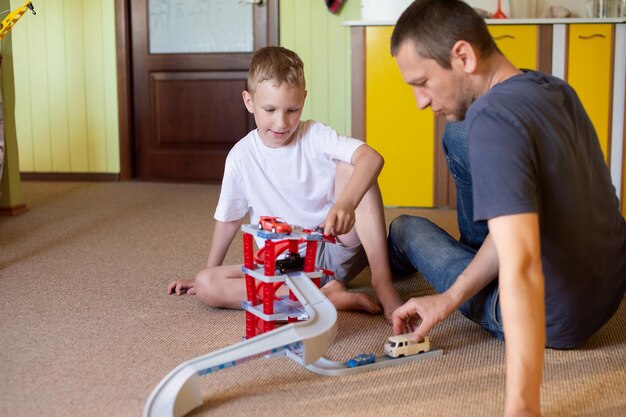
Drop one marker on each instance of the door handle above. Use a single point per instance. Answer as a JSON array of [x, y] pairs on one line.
[[257, 2], [595, 35]]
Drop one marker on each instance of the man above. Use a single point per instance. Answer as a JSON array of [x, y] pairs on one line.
[[551, 269]]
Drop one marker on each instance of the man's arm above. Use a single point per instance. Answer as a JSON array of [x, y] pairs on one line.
[[433, 309], [367, 165], [522, 303], [223, 235]]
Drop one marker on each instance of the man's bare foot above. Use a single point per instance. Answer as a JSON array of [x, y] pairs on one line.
[[342, 299]]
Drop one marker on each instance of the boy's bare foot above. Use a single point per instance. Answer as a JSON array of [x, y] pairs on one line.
[[342, 299]]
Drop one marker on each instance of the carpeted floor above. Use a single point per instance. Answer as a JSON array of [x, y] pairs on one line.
[[86, 327]]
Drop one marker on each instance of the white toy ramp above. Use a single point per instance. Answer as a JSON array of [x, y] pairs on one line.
[[179, 392]]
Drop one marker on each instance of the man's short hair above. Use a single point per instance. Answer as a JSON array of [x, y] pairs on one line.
[[276, 64], [435, 26]]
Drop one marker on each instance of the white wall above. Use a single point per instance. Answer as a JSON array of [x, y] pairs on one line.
[[391, 9], [576, 6], [383, 10]]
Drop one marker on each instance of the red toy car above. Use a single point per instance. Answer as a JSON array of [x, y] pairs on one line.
[[274, 224]]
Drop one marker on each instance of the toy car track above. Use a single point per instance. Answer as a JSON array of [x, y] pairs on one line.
[[327, 367]]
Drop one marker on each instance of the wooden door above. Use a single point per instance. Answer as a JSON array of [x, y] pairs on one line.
[[186, 84]]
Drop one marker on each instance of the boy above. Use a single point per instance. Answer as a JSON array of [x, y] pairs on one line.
[[307, 174]]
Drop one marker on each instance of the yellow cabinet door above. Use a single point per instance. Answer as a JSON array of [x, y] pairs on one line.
[[402, 134], [518, 43], [589, 73]]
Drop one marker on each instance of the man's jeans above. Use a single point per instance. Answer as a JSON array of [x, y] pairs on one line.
[[417, 244]]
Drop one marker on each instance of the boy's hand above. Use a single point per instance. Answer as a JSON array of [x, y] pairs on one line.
[[339, 220], [180, 287]]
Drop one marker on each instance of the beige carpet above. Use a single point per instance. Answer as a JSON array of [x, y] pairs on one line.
[[86, 328]]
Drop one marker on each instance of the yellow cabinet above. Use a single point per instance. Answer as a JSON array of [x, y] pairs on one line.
[[402, 134], [519, 43], [589, 61]]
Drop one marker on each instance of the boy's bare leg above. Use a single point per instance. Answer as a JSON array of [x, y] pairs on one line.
[[342, 299], [221, 286], [370, 230], [225, 287]]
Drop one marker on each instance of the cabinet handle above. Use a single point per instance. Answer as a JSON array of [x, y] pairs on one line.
[[497, 38], [595, 35]]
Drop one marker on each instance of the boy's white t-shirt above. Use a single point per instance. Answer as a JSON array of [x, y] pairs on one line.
[[295, 182]]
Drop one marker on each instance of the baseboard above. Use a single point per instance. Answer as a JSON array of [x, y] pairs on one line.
[[13, 210], [68, 176]]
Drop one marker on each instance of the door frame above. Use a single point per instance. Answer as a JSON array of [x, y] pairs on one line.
[[125, 76]]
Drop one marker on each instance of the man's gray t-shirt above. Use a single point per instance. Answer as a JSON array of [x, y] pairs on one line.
[[533, 149]]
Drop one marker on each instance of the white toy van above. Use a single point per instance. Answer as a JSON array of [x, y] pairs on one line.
[[401, 345]]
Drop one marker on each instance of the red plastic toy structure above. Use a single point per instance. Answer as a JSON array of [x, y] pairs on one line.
[[263, 307]]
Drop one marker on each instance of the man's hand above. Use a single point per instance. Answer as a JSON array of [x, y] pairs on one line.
[[430, 310], [180, 287]]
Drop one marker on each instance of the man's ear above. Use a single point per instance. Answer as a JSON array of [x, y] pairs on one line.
[[247, 100], [463, 54]]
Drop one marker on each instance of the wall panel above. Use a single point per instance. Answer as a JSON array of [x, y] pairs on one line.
[[308, 28], [57, 90], [109, 71], [66, 87], [20, 36]]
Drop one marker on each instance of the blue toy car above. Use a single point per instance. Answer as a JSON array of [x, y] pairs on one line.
[[361, 359]]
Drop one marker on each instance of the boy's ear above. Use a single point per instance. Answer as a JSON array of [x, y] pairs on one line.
[[247, 100], [464, 55]]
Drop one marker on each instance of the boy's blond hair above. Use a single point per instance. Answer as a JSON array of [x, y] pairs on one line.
[[277, 64]]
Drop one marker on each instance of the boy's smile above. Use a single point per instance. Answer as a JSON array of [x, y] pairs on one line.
[[277, 110]]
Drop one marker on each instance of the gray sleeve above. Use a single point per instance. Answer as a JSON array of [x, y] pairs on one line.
[[504, 177]]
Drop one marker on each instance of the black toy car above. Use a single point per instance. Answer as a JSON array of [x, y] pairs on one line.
[[292, 261]]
